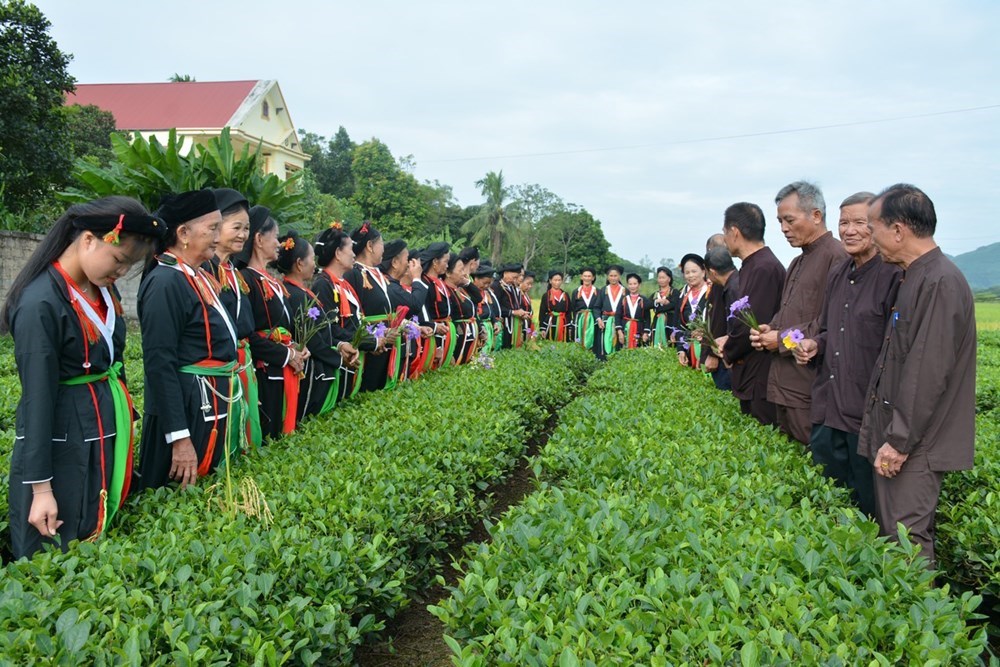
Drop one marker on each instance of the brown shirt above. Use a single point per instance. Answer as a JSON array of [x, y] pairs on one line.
[[761, 278], [789, 383], [856, 308], [922, 396]]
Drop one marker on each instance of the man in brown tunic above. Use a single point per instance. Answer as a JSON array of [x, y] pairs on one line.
[[802, 214], [920, 414], [856, 308], [761, 278]]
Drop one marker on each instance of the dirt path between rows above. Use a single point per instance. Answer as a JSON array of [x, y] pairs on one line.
[[414, 637]]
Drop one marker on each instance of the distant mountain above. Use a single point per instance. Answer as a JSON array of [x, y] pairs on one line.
[[981, 266]]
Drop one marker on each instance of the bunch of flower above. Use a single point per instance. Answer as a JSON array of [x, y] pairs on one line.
[[741, 310], [411, 328], [791, 338], [700, 330], [484, 360], [308, 322]]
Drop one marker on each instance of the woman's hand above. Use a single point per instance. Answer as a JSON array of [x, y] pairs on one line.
[[600, 324], [184, 462], [441, 328], [44, 512], [426, 332], [621, 337], [349, 354], [295, 360], [682, 358]]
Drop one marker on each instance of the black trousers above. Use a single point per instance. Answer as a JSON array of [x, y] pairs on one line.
[[837, 452]]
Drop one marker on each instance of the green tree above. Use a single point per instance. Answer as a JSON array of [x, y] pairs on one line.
[[90, 130], [34, 151], [495, 222], [330, 162], [319, 209], [385, 193], [575, 240], [147, 170], [532, 204], [181, 78]]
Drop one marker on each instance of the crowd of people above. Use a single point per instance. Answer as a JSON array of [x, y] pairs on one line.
[[247, 331]]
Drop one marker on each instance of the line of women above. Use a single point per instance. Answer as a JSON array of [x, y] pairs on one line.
[[617, 316], [245, 332]]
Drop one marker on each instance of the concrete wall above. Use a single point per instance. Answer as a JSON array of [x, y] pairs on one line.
[[16, 247]]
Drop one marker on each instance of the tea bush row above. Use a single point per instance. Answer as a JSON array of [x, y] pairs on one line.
[[671, 530]]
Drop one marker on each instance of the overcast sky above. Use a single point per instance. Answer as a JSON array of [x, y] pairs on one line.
[[629, 109]]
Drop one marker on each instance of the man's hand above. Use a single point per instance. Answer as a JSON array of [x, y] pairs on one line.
[[806, 351], [888, 461], [764, 338], [711, 364]]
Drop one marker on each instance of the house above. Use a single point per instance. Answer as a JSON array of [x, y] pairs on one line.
[[255, 112]]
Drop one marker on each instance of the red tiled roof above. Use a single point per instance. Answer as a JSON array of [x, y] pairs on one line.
[[160, 106]]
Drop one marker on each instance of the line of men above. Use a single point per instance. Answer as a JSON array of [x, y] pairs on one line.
[[881, 386]]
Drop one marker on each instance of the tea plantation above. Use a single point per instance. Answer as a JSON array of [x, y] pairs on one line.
[[667, 529]]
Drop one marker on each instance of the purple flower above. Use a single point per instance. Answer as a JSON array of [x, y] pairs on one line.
[[739, 306], [314, 313]]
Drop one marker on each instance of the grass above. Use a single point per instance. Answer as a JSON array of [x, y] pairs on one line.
[[988, 316]]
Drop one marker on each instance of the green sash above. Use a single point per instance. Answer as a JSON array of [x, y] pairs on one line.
[[487, 326], [251, 397], [237, 410], [609, 336], [660, 336], [123, 433], [585, 329], [331, 395], [516, 332]]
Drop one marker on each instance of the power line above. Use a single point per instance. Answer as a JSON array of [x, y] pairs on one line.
[[727, 137]]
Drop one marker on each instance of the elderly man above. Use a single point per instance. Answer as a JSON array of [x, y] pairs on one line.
[[725, 278], [761, 278], [802, 214], [856, 308], [920, 413]]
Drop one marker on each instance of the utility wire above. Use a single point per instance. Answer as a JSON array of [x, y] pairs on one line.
[[727, 137]]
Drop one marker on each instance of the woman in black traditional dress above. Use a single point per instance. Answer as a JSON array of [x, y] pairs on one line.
[[279, 362], [553, 310], [335, 256], [297, 264], [611, 296], [693, 305], [632, 318], [234, 292], [586, 307], [372, 288], [665, 302], [403, 269], [434, 261], [71, 467], [463, 309], [193, 395]]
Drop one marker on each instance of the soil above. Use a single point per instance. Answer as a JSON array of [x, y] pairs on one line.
[[414, 637]]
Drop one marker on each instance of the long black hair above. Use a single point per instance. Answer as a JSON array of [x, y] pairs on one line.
[[62, 234]]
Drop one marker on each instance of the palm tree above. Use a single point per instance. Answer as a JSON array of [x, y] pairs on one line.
[[495, 221], [181, 78]]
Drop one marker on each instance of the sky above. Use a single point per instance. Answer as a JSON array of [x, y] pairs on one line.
[[654, 116]]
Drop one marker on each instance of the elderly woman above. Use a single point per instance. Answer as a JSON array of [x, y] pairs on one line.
[[234, 292], [693, 306], [189, 350], [342, 306], [632, 318], [71, 467]]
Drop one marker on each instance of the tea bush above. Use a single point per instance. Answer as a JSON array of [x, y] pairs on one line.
[[364, 502], [671, 530]]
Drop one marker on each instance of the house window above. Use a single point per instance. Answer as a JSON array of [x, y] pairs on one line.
[[265, 111]]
